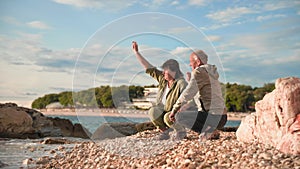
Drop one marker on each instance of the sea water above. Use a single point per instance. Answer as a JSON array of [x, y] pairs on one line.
[[93, 122]]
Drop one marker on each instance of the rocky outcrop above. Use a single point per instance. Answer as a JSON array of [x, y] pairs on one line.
[[56, 141], [80, 131], [2, 164], [277, 118], [21, 122], [13, 123], [145, 126], [65, 125], [114, 130]]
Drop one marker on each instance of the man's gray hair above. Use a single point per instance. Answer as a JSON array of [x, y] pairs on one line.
[[201, 55]]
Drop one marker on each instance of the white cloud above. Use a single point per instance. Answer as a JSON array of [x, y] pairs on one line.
[[181, 51], [269, 43], [175, 2], [267, 17], [32, 24], [156, 3], [215, 26], [81, 3], [240, 15], [32, 68], [197, 2], [30, 52], [97, 4], [282, 60], [38, 25], [280, 5], [230, 14], [11, 20], [260, 57], [116, 5], [179, 30], [214, 38], [30, 36]]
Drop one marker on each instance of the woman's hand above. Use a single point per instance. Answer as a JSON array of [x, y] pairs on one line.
[[135, 47], [172, 116]]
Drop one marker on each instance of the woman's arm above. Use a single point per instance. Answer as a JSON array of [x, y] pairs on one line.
[[189, 92], [140, 58]]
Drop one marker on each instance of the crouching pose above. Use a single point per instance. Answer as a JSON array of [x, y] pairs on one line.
[[203, 89], [171, 84]]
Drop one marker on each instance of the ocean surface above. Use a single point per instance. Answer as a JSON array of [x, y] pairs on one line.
[[14, 151], [93, 122]]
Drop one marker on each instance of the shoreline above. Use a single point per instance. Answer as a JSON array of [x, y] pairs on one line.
[[232, 116]]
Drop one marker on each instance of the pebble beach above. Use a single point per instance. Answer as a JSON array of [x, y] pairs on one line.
[[144, 151]]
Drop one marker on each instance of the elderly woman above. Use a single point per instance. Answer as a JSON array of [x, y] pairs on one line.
[[171, 84]]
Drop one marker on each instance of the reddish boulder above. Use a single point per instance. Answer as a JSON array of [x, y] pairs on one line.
[[277, 118]]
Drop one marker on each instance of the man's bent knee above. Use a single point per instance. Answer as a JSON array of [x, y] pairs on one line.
[[187, 119]]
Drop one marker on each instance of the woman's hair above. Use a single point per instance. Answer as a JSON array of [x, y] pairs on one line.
[[173, 65]]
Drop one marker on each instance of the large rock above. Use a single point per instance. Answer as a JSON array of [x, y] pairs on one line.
[[68, 129], [2, 164], [65, 125], [114, 130], [44, 125], [56, 141], [14, 123], [80, 131], [277, 118], [145, 126], [21, 122]]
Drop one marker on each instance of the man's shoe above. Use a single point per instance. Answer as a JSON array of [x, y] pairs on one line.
[[214, 135], [180, 135], [209, 136]]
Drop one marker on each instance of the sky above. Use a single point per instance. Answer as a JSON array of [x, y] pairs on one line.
[[52, 46]]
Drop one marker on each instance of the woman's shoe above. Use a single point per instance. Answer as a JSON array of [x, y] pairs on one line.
[[164, 135]]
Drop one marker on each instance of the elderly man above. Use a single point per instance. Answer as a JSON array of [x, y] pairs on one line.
[[203, 89]]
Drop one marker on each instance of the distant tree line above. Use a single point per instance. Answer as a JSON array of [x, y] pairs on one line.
[[242, 98], [238, 98], [102, 97]]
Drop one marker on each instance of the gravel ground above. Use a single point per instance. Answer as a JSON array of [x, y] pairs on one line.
[[144, 151]]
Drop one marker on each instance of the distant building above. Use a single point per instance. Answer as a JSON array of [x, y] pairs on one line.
[[55, 105], [148, 100]]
